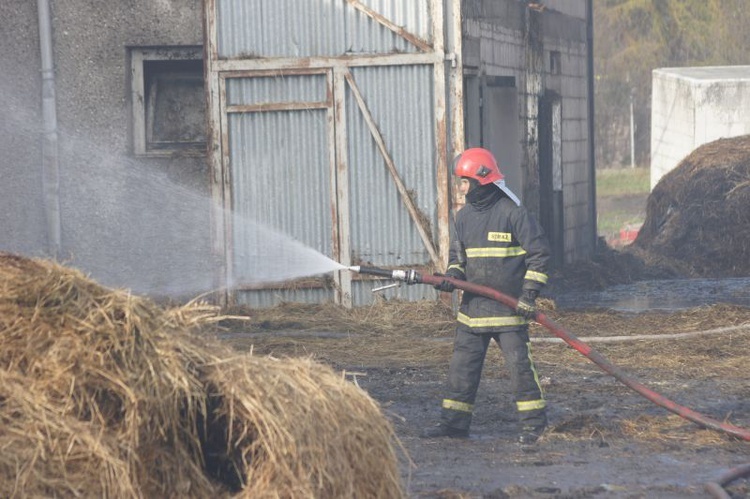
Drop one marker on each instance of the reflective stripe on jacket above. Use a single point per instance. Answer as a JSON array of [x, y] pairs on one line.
[[502, 247]]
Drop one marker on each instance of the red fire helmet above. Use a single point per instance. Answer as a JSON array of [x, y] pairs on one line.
[[479, 164]]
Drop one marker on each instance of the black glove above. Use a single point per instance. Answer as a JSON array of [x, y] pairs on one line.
[[446, 286], [526, 307]]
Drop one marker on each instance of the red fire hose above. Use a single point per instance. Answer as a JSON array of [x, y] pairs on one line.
[[716, 489], [596, 358], [414, 277]]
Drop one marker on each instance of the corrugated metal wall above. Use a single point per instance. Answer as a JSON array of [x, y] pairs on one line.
[[320, 28], [274, 172], [400, 99], [341, 100]]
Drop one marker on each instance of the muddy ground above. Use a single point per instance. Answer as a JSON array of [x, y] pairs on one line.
[[604, 440]]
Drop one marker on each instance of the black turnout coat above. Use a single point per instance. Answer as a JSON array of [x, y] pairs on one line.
[[500, 245]]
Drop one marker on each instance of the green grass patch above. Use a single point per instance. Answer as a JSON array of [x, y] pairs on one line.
[[621, 196], [623, 181]]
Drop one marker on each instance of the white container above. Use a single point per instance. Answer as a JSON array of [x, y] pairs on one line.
[[693, 106]]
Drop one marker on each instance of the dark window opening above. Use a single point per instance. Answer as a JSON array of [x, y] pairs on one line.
[[555, 62], [175, 105], [168, 101]]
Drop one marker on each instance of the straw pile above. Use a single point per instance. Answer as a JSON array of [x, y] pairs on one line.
[[103, 394], [697, 216]]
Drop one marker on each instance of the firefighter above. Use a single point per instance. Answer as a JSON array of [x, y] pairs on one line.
[[495, 242]]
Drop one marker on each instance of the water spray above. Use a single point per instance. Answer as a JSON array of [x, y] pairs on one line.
[[414, 277]]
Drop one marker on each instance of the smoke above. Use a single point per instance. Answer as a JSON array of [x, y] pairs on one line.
[[139, 224]]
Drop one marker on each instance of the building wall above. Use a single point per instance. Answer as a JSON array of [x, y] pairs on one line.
[[672, 123], [141, 223], [22, 220], [379, 138], [144, 223], [693, 106], [566, 36], [545, 51]]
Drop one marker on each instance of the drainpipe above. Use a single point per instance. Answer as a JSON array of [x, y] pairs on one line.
[[50, 157], [591, 124]]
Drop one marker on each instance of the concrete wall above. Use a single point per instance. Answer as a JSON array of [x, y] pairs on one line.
[[551, 61], [141, 223], [22, 220], [566, 35], [693, 106]]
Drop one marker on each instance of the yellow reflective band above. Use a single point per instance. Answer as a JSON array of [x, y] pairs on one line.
[[502, 237], [456, 266], [511, 320], [531, 405], [455, 405], [536, 276], [495, 252]]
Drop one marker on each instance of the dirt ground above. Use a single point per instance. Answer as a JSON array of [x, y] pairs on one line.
[[604, 440]]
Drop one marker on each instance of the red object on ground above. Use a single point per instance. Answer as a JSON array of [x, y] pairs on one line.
[[629, 233]]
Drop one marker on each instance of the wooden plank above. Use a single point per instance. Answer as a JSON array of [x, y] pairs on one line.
[[441, 137], [277, 106], [215, 164], [340, 205], [290, 63]]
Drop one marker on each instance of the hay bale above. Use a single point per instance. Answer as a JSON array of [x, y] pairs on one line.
[[101, 360], [104, 394], [697, 216], [297, 429]]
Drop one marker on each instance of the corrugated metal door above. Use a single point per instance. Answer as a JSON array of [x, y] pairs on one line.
[[279, 155], [328, 125]]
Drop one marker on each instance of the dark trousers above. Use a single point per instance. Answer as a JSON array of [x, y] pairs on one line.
[[469, 351]]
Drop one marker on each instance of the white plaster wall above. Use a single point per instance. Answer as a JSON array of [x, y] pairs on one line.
[[693, 106], [721, 110]]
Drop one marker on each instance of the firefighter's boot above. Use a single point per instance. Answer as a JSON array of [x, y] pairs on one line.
[[442, 430], [528, 435]]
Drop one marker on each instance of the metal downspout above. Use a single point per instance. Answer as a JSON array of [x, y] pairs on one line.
[[50, 157], [591, 124]]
